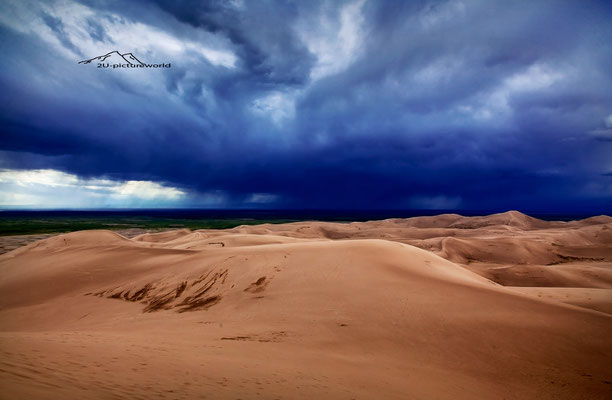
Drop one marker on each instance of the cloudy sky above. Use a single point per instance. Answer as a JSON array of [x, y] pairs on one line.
[[364, 104]]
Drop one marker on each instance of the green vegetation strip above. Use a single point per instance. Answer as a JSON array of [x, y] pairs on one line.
[[30, 226]]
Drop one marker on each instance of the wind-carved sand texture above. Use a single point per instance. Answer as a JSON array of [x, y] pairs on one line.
[[446, 307]]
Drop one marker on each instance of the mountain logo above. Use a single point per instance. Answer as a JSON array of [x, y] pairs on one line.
[[115, 59]]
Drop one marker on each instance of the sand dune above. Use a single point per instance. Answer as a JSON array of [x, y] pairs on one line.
[[447, 307], [596, 299]]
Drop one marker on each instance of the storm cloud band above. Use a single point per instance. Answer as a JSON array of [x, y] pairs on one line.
[[357, 104]]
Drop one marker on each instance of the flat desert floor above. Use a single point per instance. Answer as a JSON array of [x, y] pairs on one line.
[[446, 307]]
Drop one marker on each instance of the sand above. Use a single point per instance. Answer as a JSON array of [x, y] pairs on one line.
[[12, 242], [448, 307]]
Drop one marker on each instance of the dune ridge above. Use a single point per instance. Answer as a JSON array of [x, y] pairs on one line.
[[448, 307]]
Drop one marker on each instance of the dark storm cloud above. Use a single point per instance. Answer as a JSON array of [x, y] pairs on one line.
[[449, 104], [262, 35]]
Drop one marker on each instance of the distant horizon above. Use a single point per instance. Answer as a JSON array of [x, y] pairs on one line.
[[28, 222], [302, 212]]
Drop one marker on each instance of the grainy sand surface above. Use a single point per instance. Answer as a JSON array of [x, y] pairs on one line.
[[447, 307]]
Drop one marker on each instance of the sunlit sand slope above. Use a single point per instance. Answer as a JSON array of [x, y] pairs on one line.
[[313, 310]]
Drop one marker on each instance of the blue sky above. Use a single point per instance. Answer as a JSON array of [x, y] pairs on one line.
[[362, 104]]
